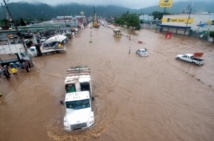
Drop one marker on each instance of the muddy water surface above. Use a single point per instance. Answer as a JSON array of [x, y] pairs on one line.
[[136, 98]]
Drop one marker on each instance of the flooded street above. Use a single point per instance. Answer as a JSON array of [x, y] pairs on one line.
[[154, 98]]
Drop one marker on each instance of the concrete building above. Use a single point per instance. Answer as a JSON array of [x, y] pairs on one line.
[[66, 20], [69, 20], [146, 18], [187, 23]]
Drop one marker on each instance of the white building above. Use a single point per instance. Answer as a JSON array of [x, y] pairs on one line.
[[146, 18], [67, 20], [202, 22]]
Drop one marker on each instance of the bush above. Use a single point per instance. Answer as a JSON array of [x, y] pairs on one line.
[[68, 36], [212, 34]]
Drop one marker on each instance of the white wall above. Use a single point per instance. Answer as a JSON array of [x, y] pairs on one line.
[[203, 18]]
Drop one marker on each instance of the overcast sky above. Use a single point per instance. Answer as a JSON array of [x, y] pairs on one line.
[[135, 4]]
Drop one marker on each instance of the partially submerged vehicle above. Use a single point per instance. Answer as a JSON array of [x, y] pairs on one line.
[[78, 99], [142, 52], [190, 58], [56, 43], [117, 33]]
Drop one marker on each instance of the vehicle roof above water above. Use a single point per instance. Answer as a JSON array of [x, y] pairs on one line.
[[77, 96], [77, 74], [143, 49], [188, 54], [116, 29], [74, 79]]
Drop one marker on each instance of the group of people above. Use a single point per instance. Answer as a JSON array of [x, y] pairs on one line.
[[6, 70]]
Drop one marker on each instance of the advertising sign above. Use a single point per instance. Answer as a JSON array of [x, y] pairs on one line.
[[211, 22], [165, 3], [178, 20]]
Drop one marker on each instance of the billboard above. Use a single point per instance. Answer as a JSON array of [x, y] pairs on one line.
[[178, 20], [165, 3], [211, 22]]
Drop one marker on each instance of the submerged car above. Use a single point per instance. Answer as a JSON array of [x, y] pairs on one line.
[[142, 52]]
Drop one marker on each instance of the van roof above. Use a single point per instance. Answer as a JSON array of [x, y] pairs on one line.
[[73, 79], [77, 96]]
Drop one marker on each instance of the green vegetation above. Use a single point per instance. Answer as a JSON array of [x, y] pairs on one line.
[[130, 20], [159, 15], [4, 24], [212, 34], [45, 12]]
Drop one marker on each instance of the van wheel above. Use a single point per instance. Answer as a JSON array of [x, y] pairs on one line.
[[92, 98]]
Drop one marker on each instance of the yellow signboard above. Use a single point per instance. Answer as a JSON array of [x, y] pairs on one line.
[[165, 3], [211, 22], [178, 20]]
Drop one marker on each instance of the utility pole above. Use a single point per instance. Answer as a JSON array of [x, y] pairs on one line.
[[190, 10], [64, 15], [8, 10]]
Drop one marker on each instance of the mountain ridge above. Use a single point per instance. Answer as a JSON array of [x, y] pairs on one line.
[[45, 11]]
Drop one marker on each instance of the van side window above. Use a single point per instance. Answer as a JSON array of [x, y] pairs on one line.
[[70, 88]]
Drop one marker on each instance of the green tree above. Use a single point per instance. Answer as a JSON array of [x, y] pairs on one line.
[[212, 34], [22, 22], [130, 20], [5, 24], [159, 15]]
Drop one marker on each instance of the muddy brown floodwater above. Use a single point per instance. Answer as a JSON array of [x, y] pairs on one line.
[[154, 98]]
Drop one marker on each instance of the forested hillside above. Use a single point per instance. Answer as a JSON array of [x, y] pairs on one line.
[[45, 12]]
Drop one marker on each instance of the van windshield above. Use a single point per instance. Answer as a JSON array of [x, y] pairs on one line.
[[79, 104]]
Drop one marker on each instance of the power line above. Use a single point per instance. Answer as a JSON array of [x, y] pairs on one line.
[[8, 10]]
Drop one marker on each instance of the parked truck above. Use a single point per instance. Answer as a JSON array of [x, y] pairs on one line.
[[56, 43], [12, 53], [79, 113], [6, 59]]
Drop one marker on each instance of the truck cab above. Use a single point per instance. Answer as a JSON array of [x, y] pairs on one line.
[[79, 113], [56, 43], [117, 33]]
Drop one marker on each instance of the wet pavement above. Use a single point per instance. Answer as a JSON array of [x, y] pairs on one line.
[[154, 98]]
